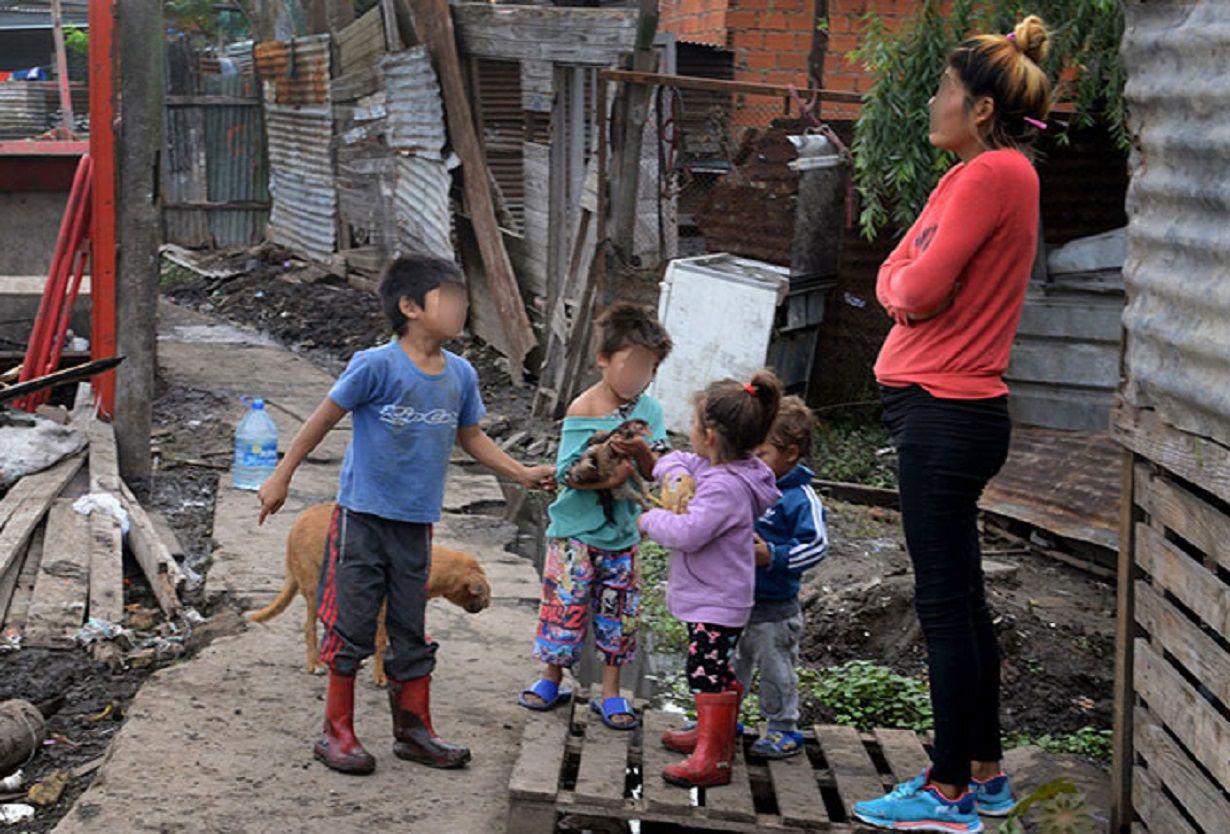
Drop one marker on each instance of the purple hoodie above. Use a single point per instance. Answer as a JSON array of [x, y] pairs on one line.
[[713, 565]]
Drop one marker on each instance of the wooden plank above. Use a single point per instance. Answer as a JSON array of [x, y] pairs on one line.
[[1194, 520], [160, 568], [1203, 800], [1203, 462], [535, 776], [1199, 653], [712, 85], [34, 495], [1153, 806], [658, 795], [167, 533], [9, 581], [19, 606], [57, 608], [904, 753], [1192, 583], [1189, 716], [798, 796], [856, 775], [515, 336], [1124, 693], [733, 801], [106, 542], [604, 764]]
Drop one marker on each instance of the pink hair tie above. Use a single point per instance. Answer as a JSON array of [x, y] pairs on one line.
[[751, 389], [1038, 123], [1011, 36]]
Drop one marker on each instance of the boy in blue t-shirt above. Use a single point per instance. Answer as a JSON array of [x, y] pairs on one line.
[[410, 401], [590, 574], [790, 539]]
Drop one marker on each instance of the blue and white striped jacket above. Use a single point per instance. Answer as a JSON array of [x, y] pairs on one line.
[[794, 528]]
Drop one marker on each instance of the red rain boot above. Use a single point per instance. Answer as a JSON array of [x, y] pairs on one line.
[[338, 748], [683, 740], [716, 716], [416, 740]]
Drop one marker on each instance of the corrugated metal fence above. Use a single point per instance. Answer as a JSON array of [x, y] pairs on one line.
[[214, 180], [1178, 314]]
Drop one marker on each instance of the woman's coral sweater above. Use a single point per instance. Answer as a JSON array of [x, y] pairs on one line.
[[974, 243]]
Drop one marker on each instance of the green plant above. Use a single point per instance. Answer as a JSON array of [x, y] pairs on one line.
[[1087, 741], [76, 42], [865, 695], [669, 634], [895, 167], [1056, 807], [847, 450]]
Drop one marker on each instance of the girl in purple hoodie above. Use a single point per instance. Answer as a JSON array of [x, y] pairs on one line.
[[712, 579]]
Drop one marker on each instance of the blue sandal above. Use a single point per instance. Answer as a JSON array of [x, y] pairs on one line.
[[608, 708], [779, 744], [551, 695]]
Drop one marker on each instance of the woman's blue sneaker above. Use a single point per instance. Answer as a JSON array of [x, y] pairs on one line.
[[994, 796], [915, 806], [778, 744]]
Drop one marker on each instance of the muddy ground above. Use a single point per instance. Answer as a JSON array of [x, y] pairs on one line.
[[1055, 623]]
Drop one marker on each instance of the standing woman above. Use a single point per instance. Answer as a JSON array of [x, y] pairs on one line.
[[954, 287]]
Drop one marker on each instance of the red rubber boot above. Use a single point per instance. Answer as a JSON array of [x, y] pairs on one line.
[[338, 748], [416, 740], [683, 740], [709, 765]]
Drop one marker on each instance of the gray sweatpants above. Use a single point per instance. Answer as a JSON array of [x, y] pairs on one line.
[[774, 649], [369, 559]]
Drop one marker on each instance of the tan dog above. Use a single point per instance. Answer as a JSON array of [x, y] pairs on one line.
[[456, 576]]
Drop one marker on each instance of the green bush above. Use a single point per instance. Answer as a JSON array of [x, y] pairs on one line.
[[1087, 741], [668, 633], [862, 694]]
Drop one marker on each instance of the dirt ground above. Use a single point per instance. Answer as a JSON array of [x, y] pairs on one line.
[[1055, 623]]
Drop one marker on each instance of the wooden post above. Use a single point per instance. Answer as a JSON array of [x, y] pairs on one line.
[[140, 229], [630, 114], [435, 29], [102, 217], [66, 98], [1121, 814]]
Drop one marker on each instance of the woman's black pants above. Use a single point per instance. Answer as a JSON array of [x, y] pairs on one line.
[[947, 451]]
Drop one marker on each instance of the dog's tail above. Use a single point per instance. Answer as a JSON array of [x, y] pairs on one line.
[[289, 589]]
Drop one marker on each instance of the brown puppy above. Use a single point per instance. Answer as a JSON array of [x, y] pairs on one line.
[[600, 460], [456, 576]]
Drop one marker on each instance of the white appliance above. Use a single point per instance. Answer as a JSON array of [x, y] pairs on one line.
[[719, 311]]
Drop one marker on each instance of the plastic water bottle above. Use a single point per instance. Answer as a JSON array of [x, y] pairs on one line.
[[256, 447]]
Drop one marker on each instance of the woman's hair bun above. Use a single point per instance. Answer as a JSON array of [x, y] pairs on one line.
[[1032, 38]]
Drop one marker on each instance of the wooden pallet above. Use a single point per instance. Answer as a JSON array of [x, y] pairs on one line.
[[574, 769]]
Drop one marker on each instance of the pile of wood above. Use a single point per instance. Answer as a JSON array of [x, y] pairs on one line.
[[61, 570]]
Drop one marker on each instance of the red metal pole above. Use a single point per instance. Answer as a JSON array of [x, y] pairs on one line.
[[102, 152]]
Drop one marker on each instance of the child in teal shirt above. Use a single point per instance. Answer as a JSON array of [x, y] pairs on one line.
[[590, 573]]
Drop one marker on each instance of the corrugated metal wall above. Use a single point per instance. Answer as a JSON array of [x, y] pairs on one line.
[[299, 124], [215, 177], [1178, 314]]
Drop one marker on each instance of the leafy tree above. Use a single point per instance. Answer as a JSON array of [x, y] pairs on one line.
[[895, 167]]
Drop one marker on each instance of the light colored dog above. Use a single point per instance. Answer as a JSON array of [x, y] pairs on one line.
[[456, 576]]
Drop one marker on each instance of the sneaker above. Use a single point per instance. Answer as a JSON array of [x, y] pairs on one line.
[[914, 806], [778, 744], [994, 796]]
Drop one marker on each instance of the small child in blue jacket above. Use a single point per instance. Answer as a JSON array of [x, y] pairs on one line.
[[790, 539]]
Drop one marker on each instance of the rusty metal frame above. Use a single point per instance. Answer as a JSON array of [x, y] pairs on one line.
[[103, 231]]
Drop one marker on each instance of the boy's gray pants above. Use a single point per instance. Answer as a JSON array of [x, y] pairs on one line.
[[774, 649]]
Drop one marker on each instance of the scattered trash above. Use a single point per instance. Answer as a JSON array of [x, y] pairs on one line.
[[103, 502], [143, 619], [10, 640], [95, 630], [853, 300], [112, 710], [49, 790], [13, 813], [61, 740], [29, 443], [12, 782]]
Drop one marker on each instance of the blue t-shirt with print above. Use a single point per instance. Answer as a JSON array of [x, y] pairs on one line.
[[405, 424]]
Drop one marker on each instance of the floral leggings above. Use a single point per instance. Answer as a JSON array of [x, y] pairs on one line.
[[583, 584], [710, 649]]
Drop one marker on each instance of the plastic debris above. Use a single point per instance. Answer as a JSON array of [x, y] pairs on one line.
[[96, 630], [10, 640], [11, 782], [103, 502], [15, 812]]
